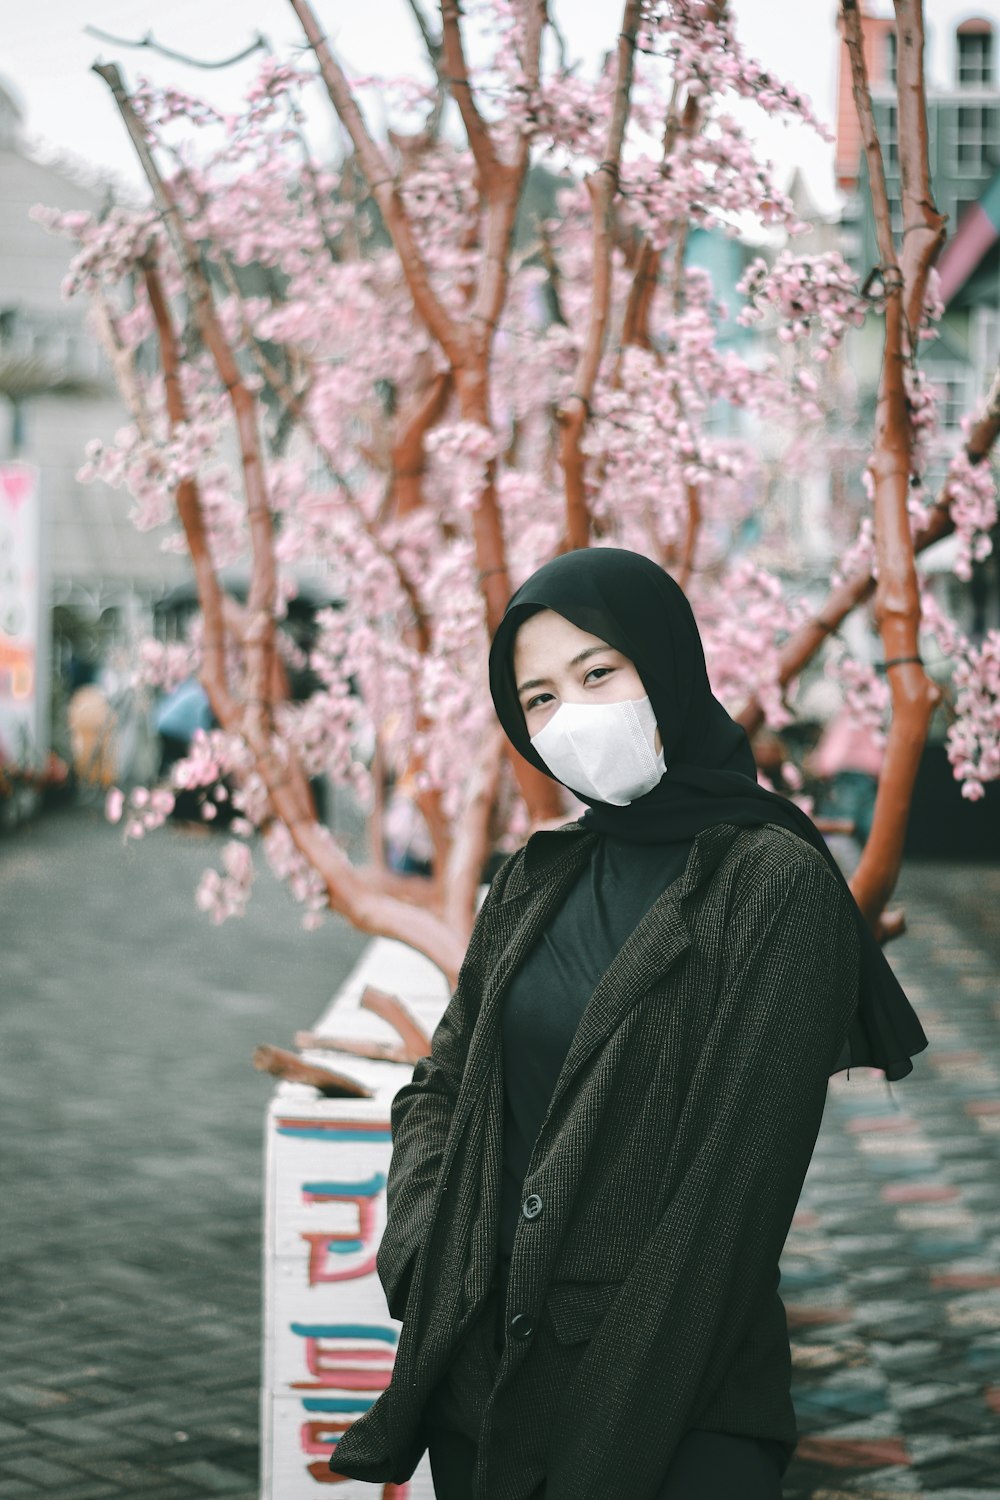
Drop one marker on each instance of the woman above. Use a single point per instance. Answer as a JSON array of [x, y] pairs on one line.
[[594, 1172]]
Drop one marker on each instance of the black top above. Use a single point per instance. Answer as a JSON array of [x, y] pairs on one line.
[[548, 995]]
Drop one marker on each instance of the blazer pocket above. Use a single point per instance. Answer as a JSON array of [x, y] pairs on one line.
[[576, 1309]]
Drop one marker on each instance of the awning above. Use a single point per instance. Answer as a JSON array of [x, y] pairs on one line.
[[978, 229]]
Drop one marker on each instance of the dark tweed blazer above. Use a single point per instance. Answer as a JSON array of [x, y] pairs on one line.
[[668, 1166]]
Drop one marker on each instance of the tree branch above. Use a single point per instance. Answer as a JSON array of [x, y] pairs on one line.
[[602, 186], [470, 844], [358, 895], [408, 456], [897, 597], [851, 14], [384, 189], [502, 187], [260, 649], [923, 226], [296, 409], [467, 354], [430, 41], [476, 129], [802, 645], [260, 43], [121, 359], [189, 510]]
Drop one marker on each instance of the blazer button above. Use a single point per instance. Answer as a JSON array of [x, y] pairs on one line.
[[532, 1206], [521, 1326]]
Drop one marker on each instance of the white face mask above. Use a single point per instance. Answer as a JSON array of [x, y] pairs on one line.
[[603, 750]]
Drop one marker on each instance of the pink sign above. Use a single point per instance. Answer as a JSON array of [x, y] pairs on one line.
[[20, 558]]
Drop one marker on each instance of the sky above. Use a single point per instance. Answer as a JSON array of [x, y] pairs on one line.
[[47, 63]]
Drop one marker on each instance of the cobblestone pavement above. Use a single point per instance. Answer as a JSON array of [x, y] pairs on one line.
[[132, 1135], [132, 1130], [891, 1273]]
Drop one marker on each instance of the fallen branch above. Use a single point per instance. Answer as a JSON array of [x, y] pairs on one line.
[[416, 1042], [311, 1041], [293, 1069]]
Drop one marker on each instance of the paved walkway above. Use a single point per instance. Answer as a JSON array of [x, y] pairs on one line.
[[132, 1129], [891, 1274], [132, 1133]]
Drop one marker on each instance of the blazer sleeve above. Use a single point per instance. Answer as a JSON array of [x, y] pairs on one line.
[[421, 1116], [789, 990]]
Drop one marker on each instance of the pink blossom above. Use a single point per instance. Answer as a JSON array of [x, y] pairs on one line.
[[692, 423]]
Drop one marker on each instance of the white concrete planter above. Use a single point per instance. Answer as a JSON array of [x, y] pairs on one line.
[[329, 1342]]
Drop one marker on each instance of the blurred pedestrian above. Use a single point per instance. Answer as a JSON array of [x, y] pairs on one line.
[[408, 846], [92, 725], [179, 713], [848, 759]]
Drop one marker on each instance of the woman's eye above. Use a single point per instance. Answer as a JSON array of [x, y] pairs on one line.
[[533, 702], [598, 669]]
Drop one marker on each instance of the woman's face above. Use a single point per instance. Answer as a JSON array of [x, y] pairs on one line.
[[556, 662]]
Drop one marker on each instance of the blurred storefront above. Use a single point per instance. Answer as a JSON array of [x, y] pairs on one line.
[[87, 575]]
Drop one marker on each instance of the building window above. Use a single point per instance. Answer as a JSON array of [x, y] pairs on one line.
[[985, 345], [890, 136], [975, 59], [893, 192], [977, 135], [952, 385], [891, 54]]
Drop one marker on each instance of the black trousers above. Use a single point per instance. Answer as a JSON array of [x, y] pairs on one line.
[[705, 1466]]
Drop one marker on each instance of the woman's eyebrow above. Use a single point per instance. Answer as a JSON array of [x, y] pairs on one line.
[[581, 656]]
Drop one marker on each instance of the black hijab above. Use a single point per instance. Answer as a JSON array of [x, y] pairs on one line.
[[636, 607]]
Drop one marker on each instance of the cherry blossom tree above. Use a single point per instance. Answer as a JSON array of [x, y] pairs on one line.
[[434, 404]]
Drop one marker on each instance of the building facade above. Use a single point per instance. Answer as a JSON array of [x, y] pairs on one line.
[[962, 63], [963, 119]]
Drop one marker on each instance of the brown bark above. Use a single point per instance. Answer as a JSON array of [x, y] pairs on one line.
[[690, 535], [260, 644], [501, 185], [468, 850], [924, 228], [361, 896], [310, 1041], [466, 343], [282, 1064], [488, 164], [408, 457], [635, 324], [384, 189], [188, 501], [366, 898], [413, 1044], [683, 118], [122, 361], [391, 1009], [602, 185], [897, 597], [295, 406], [802, 645]]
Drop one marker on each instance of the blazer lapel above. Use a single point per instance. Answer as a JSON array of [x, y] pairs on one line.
[[518, 918], [647, 955], [655, 945]]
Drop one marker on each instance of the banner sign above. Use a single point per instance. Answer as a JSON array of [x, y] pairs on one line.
[[329, 1342], [21, 696]]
